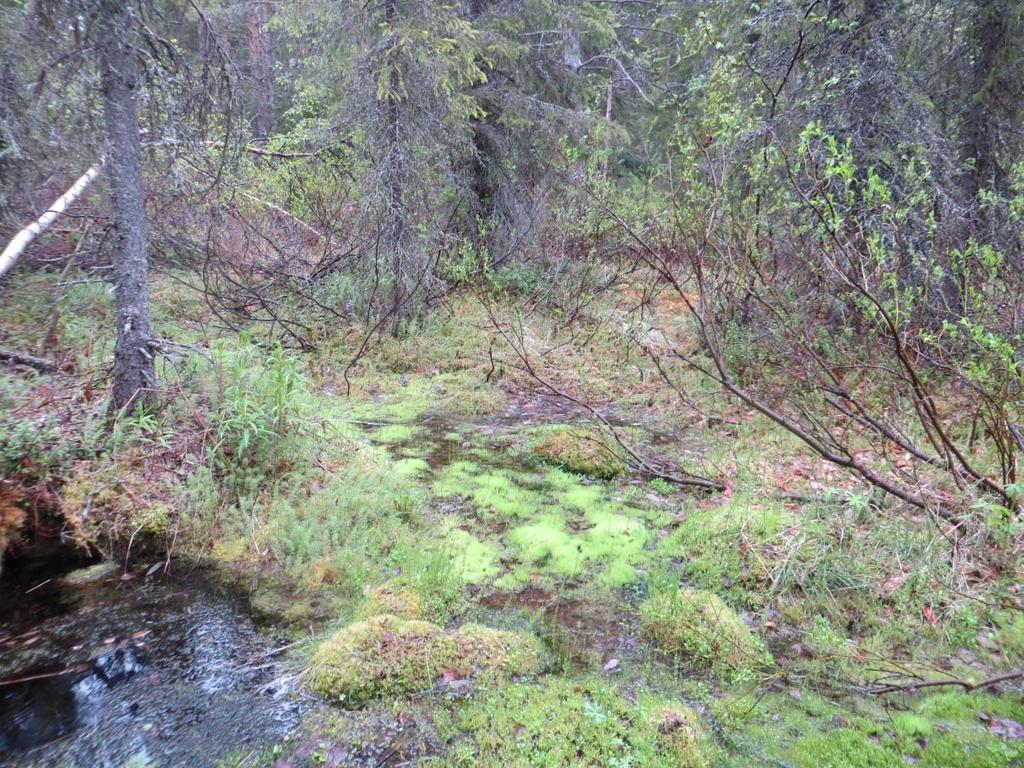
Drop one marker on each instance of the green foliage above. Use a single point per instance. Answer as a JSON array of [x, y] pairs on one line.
[[256, 407]]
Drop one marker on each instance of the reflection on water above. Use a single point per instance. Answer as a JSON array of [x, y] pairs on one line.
[[155, 670]]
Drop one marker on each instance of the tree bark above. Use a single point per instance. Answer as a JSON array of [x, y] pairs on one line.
[[978, 146], [261, 60], [395, 226], [21, 241], [134, 372]]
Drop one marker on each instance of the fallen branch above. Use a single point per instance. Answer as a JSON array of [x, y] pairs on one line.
[[21, 240], [967, 685], [20, 358], [45, 675]]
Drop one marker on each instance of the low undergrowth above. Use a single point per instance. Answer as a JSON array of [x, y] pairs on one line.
[[677, 628]]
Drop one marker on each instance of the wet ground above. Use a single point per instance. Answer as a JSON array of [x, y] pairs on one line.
[[99, 669]]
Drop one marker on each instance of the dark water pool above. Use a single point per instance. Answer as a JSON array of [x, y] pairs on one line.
[[101, 670]]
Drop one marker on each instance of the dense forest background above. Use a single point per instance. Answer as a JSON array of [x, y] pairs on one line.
[[785, 237]]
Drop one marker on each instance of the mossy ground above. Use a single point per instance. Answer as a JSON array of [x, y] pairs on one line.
[[384, 655], [426, 495], [696, 624]]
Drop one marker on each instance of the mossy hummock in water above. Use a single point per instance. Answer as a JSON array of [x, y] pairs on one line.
[[385, 655], [697, 624], [585, 451]]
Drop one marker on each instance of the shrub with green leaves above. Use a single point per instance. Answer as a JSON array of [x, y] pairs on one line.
[[258, 400]]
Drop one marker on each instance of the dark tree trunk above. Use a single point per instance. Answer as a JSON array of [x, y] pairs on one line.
[[134, 373], [261, 58], [978, 144], [394, 230]]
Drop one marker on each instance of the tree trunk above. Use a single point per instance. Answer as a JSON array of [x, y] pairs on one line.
[[134, 373], [261, 60], [27, 234], [395, 226], [978, 147]]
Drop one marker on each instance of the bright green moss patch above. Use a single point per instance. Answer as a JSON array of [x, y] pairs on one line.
[[475, 560], [407, 468], [492, 491], [583, 497], [730, 546], [608, 539], [396, 433], [563, 723], [879, 748], [546, 544], [957, 706], [842, 748], [584, 451], [385, 655], [698, 624], [617, 573]]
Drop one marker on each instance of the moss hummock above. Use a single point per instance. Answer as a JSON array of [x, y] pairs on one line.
[[580, 450], [698, 624], [682, 736], [386, 655], [390, 599], [482, 651]]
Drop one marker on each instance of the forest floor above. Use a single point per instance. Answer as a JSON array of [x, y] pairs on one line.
[[471, 572]]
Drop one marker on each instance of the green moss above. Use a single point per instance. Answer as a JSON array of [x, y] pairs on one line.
[[561, 722], [391, 599], [957, 706], [475, 561], [396, 433], [617, 573], [407, 468], [842, 748], [582, 496], [910, 725], [939, 730], [729, 547], [385, 655], [546, 544], [954, 751], [492, 491], [92, 573], [580, 450], [698, 624], [484, 652], [681, 735]]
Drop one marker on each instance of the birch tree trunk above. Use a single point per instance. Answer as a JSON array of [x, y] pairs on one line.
[[134, 372]]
